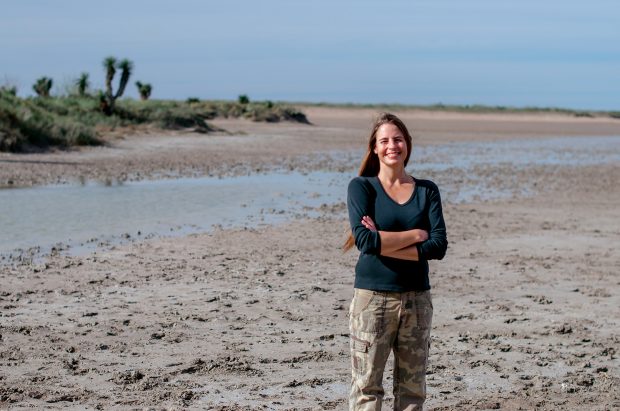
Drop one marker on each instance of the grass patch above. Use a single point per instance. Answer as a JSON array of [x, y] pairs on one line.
[[25, 125], [34, 124]]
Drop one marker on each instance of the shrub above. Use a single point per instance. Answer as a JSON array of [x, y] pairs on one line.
[[144, 90], [583, 114], [43, 86], [82, 84], [9, 89], [24, 124]]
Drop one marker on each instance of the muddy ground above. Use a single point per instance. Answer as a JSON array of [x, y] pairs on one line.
[[526, 301]]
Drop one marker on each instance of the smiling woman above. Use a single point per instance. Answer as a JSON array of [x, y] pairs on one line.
[[397, 225]]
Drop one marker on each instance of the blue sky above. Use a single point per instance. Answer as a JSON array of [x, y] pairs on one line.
[[495, 52]]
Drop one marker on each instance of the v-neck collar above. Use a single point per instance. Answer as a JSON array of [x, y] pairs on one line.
[[415, 186]]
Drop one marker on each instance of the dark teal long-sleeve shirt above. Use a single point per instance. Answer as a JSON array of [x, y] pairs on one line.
[[423, 210]]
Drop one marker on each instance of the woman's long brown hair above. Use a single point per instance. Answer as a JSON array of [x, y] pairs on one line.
[[370, 162]]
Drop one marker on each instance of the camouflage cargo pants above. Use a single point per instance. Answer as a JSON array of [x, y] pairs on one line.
[[381, 322]]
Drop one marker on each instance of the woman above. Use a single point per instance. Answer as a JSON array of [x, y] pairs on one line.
[[397, 224]]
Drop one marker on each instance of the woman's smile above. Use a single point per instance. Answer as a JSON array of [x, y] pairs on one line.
[[390, 145]]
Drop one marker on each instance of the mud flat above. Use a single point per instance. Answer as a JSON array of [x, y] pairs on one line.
[[249, 148], [255, 317]]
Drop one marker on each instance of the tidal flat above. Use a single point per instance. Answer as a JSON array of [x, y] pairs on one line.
[[253, 314]]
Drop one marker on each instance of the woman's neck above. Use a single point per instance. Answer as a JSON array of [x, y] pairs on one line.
[[390, 175]]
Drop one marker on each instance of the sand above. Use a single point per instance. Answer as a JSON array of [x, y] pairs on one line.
[[526, 301]]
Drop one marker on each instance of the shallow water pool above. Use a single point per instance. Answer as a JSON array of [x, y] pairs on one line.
[[93, 213], [85, 216]]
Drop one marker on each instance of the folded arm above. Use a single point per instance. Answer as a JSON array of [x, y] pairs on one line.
[[360, 202], [406, 245], [435, 247], [398, 244]]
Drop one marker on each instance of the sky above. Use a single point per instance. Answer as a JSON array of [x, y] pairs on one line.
[[517, 53]]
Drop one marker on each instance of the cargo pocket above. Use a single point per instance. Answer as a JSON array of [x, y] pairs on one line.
[[359, 355], [424, 310]]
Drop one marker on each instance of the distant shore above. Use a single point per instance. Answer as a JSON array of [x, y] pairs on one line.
[[243, 146], [467, 108]]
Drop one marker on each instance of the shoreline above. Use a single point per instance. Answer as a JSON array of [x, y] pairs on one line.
[[249, 147], [462, 108]]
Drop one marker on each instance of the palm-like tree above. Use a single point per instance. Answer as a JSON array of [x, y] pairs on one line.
[[126, 68], [109, 65], [82, 84], [144, 90], [43, 86]]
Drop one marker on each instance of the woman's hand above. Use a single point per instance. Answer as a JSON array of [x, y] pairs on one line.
[[420, 235], [368, 223]]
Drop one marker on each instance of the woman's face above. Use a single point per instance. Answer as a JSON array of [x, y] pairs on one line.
[[390, 146]]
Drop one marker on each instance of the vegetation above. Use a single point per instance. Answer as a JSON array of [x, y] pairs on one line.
[[474, 108], [79, 118], [82, 84], [9, 89], [144, 90], [28, 124], [36, 123], [108, 99], [43, 86]]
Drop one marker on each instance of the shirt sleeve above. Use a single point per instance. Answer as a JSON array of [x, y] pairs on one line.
[[435, 247], [360, 202]]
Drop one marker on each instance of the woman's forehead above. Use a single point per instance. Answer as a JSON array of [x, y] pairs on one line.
[[388, 130]]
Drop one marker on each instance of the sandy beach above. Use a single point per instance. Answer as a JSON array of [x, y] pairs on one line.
[[526, 302]]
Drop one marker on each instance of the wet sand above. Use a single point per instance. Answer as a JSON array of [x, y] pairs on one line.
[[526, 301]]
